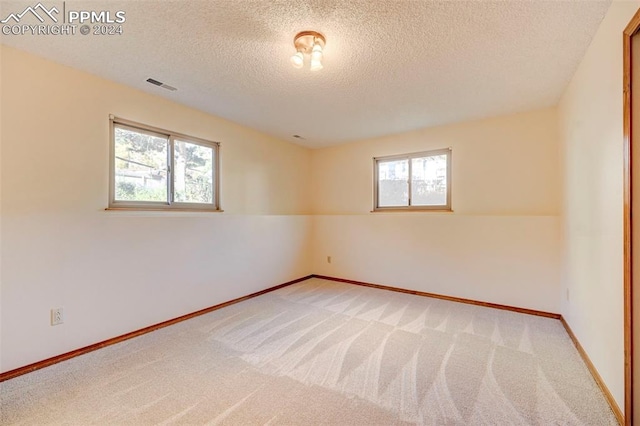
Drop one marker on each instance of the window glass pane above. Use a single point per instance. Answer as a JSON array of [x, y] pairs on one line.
[[140, 166], [429, 181], [393, 183], [193, 174]]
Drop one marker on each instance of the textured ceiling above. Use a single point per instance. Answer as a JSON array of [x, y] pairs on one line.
[[389, 66]]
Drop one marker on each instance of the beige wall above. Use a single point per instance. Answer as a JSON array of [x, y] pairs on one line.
[[500, 245], [114, 272], [501, 166], [510, 260], [591, 128]]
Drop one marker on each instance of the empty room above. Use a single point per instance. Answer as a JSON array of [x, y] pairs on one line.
[[377, 212]]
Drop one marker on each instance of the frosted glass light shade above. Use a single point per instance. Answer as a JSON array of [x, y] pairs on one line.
[[297, 60], [316, 53], [315, 65]]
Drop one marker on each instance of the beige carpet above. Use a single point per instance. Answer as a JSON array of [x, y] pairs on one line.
[[321, 352]]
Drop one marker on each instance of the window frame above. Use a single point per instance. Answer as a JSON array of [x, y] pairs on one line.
[[376, 182], [171, 137]]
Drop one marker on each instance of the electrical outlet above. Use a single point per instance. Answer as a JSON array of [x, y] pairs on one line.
[[57, 316], [328, 259], [567, 294]]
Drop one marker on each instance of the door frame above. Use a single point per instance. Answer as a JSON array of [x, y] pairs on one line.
[[632, 29]]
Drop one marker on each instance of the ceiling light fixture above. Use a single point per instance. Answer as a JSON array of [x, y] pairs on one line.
[[308, 43]]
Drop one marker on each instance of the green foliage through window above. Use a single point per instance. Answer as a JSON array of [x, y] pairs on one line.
[[156, 168]]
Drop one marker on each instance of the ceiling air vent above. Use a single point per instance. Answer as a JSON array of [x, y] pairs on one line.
[[161, 84]]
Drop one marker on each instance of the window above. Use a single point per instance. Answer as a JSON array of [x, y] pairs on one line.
[[157, 169], [420, 181]]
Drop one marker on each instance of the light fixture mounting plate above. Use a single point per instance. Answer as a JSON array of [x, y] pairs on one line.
[[305, 40]]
